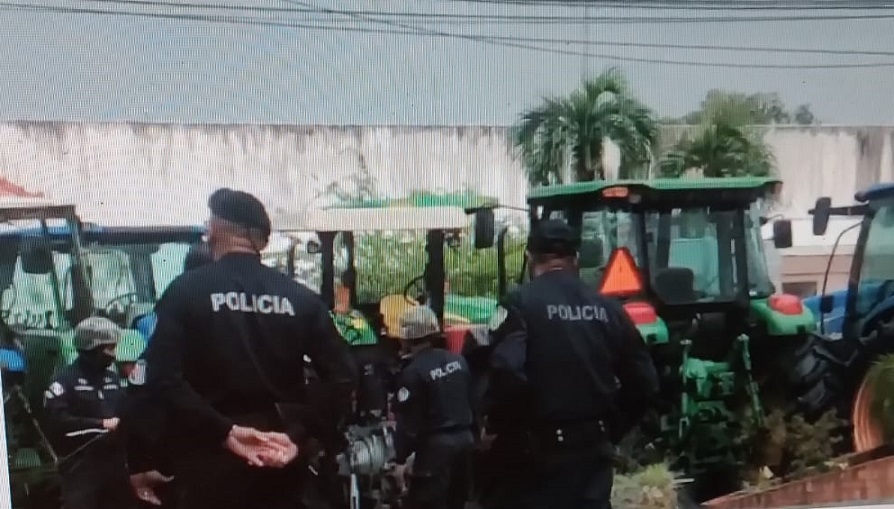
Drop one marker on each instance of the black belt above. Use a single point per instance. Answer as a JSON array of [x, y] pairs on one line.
[[449, 430]]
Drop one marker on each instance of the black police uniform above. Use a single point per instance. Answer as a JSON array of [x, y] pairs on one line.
[[147, 441], [559, 350], [91, 459], [229, 349], [434, 419]]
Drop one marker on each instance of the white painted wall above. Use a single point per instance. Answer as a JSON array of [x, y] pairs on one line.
[[152, 173]]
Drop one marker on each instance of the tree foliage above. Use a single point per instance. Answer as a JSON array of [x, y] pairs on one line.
[[721, 149], [747, 109], [568, 133]]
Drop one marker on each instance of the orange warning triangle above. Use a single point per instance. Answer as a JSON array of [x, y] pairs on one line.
[[621, 275]]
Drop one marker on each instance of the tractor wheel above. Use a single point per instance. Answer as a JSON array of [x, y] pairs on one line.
[[802, 380], [868, 432]]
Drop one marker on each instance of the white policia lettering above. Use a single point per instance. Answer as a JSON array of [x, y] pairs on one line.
[[264, 304], [568, 313], [447, 369]]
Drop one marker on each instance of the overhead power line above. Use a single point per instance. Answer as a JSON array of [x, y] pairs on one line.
[[526, 43], [523, 19], [690, 4], [601, 55]]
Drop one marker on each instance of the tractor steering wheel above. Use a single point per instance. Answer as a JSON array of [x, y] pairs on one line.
[[120, 307], [420, 294]]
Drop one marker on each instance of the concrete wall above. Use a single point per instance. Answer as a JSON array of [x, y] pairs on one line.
[[130, 172]]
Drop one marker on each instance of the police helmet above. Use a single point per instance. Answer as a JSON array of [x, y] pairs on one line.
[[96, 332], [418, 323]]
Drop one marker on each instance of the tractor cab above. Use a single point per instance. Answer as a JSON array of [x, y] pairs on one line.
[[127, 269], [685, 248], [869, 296], [363, 249]]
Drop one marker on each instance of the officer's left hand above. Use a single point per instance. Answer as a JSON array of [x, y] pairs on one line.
[[279, 452]]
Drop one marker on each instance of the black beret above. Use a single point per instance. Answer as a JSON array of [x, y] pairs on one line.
[[555, 237], [240, 208]]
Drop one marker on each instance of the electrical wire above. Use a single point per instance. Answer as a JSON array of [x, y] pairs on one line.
[[603, 56], [507, 18], [689, 4], [505, 41]]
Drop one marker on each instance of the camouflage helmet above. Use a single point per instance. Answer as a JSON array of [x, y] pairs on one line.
[[419, 322], [95, 332]]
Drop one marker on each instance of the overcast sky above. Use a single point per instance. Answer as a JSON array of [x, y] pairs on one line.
[[99, 67]]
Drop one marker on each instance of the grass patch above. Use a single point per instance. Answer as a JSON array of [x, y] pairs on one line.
[[652, 487]]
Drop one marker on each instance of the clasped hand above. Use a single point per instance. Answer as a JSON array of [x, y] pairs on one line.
[[261, 448]]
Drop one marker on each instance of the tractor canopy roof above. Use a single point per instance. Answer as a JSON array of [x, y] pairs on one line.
[[420, 211], [875, 192], [467, 201], [94, 233], [661, 191]]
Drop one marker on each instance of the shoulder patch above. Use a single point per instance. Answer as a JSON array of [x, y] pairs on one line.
[[138, 374], [403, 394], [57, 389], [496, 320]]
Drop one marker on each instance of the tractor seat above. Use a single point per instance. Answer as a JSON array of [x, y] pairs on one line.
[[392, 307], [675, 285]]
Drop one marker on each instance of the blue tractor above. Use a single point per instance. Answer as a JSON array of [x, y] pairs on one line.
[[858, 321]]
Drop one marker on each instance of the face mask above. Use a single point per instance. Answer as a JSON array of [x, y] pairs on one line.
[[98, 359]]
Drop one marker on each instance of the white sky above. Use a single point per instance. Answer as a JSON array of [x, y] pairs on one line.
[[91, 67]]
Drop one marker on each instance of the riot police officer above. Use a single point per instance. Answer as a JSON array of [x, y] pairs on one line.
[[227, 359], [82, 417], [434, 416], [559, 351]]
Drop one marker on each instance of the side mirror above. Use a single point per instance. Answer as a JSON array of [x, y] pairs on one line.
[[826, 304], [821, 212], [485, 228], [782, 233], [313, 247]]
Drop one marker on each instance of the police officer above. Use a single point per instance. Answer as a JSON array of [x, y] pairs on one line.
[[81, 415], [227, 356], [434, 416], [559, 351], [149, 458]]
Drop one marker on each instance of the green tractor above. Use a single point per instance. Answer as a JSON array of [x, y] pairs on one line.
[[687, 258], [45, 292]]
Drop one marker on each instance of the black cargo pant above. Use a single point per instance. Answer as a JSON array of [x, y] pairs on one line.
[[96, 478], [536, 472], [210, 476], [221, 480], [440, 476]]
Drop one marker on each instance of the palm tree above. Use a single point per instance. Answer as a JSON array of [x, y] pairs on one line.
[[721, 149], [564, 139]]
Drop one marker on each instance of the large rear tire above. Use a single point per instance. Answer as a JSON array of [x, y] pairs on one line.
[[802, 379]]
